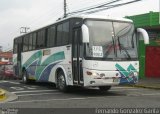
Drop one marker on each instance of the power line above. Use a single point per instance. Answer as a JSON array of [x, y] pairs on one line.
[[43, 18], [112, 6], [50, 13], [103, 6], [93, 7], [44, 14], [83, 4]]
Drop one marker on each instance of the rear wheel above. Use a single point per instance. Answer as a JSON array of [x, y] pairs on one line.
[[104, 88], [25, 79], [61, 82]]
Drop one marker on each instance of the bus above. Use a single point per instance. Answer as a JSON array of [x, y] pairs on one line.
[[87, 51]]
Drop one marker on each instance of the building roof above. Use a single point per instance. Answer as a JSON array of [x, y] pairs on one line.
[[147, 20]]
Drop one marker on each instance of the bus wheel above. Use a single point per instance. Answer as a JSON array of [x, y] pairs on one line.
[[61, 82], [104, 88], [25, 77]]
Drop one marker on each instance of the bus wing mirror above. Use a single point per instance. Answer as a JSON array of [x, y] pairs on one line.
[[85, 34], [144, 34]]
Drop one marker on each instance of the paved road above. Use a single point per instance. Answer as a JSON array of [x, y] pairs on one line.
[[44, 95]]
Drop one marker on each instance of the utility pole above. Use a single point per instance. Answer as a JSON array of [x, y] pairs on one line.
[[65, 9], [1, 48], [24, 30]]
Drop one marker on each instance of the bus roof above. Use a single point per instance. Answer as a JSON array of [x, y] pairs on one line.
[[101, 17], [83, 17]]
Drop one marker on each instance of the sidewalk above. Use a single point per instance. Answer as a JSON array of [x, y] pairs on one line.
[[2, 95], [151, 83], [8, 96]]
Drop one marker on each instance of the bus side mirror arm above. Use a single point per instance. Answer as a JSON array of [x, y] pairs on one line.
[[85, 34], [144, 34]]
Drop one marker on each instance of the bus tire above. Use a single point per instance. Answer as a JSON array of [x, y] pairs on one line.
[[25, 79], [61, 82], [104, 88]]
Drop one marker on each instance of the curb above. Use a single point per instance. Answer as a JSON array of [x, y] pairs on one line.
[[7, 96], [2, 95], [146, 86], [149, 87]]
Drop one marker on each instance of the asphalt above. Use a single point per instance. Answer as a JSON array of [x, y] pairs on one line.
[[150, 83]]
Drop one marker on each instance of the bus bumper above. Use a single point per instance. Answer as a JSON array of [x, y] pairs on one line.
[[109, 78]]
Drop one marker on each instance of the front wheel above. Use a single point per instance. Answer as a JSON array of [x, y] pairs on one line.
[[61, 82], [104, 88]]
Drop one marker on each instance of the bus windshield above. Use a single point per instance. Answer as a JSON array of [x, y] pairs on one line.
[[111, 40]]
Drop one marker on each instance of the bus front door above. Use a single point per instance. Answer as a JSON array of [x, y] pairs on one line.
[[77, 54]]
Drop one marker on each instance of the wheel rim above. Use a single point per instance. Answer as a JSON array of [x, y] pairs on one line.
[[61, 82]]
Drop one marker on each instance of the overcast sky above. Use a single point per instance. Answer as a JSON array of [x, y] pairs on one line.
[[38, 13]]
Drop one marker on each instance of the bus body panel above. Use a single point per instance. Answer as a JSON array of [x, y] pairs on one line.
[[41, 65], [102, 73]]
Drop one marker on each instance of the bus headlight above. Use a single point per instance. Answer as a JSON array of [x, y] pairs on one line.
[[95, 74], [89, 73], [92, 73]]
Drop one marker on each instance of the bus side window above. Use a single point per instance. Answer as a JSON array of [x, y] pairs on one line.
[[41, 39], [25, 43], [65, 39], [34, 40], [59, 35], [63, 34], [30, 41], [51, 34]]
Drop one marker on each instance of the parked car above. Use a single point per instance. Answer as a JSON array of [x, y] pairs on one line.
[[7, 72]]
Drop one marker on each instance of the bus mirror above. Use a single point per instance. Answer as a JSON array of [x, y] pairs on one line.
[[144, 34], [85, 34]]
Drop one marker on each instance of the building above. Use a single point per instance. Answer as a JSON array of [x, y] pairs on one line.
[[6, 57], [149, 54]]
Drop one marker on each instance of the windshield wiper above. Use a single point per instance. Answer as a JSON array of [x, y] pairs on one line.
[[121, 47], [109, 47]]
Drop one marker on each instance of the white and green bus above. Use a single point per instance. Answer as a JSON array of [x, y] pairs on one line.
[[88, 51]]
